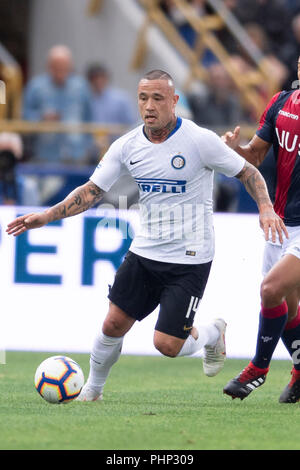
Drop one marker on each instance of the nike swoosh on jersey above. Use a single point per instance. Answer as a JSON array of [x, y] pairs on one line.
[[133, 163]]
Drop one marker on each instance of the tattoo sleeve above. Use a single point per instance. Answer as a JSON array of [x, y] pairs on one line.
[[255, 184], [81, 199]]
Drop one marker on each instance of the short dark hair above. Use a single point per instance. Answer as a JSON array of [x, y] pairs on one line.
[[96, 69], [157, 74]]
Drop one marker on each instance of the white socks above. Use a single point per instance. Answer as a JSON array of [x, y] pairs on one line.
[[105, 352], [208, 335]]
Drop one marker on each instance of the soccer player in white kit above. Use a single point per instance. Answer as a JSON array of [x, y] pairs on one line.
[[172, 161]]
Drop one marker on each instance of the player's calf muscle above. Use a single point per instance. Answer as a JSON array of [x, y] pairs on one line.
[[167, 345]]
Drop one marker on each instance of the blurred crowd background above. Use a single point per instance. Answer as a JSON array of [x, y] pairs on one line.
[[57, 72]]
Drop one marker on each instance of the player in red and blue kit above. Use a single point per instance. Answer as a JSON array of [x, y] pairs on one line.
[[280, 290]]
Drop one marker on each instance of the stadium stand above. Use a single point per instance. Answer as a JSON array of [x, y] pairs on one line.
[[238, 53]]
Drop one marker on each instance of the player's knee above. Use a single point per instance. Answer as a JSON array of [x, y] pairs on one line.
[[112, 327], [271, 293]]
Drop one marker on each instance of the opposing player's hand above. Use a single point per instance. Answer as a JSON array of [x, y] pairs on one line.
[[27, 222], [272, 225], [232, 139]]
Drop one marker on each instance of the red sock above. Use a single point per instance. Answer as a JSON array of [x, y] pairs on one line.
[[258, 370]]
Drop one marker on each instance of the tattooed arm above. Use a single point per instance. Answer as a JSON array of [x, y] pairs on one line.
[[257, 188], [79, 200]]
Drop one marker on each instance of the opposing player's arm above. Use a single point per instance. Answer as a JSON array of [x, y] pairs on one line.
[[254, 152], [257, 188], [79, 200]]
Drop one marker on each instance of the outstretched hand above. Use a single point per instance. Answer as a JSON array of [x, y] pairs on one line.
[[26, 222], [232, 139]]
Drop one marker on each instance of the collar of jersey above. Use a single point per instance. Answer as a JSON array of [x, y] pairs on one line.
[[178, 124]]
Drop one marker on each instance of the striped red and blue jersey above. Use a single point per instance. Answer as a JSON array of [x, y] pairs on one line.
[[280, 126]]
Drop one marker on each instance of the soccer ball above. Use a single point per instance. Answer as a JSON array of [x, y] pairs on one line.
[[59, 379]]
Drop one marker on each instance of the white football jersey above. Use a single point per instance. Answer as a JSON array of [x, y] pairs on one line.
[[175, 180]]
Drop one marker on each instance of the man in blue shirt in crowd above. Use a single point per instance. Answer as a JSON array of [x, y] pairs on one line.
[[59, 95], [110, 105]]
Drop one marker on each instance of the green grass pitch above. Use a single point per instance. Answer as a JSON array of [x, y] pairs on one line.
[[152, 403]]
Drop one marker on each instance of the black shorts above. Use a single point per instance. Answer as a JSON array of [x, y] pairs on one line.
[[142, 284]]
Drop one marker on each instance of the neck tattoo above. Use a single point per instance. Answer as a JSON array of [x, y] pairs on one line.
[[159, 135]]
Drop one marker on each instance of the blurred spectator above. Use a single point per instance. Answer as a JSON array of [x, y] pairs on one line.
[[272, 15], [290, 53], [226, 193], [14, 189], [230, 4], [10, 153], [109, 105], [224, 35], [219, 105], [58, 95], [294, 6], [244, 68], [184, 27], [276, 68]]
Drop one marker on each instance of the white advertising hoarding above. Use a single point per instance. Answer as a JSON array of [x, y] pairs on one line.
[[55, 281]]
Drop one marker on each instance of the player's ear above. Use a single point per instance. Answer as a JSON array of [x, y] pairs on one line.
[[175, 99]]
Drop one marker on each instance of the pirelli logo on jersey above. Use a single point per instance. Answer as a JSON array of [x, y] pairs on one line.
[[159, 185]]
